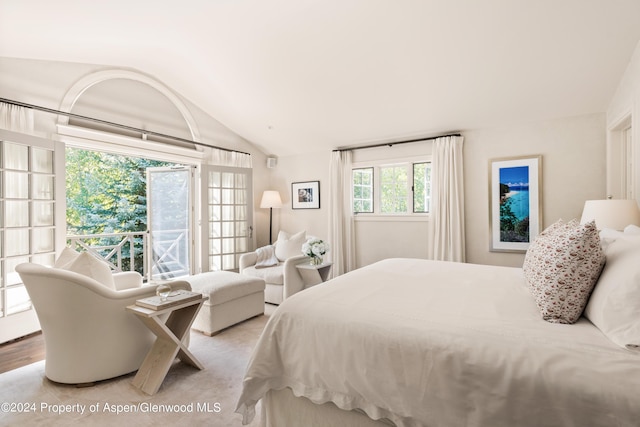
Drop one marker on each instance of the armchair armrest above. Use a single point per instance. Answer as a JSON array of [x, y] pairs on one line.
[[293, 281], [247, 260]]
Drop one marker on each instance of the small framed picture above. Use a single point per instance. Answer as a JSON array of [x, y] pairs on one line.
[[305, 195], [515, 207]]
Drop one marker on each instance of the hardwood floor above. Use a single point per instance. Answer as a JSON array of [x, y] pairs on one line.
[[21, 352]]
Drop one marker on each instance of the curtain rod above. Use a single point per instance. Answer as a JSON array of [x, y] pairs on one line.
[[391, 144], [104, 122]]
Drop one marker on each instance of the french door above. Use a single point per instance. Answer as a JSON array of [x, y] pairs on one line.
[[32, 221], [170, 221], [226, 216]]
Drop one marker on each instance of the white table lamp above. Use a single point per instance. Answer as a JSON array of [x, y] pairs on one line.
[[614, 214], [270, 199]]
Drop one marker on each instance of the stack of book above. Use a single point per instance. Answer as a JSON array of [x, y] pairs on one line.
[[175, 298]]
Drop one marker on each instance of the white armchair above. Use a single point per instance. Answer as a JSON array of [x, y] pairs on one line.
[[283, 279], [89, 336]]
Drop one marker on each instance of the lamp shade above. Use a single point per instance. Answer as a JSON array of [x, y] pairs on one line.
[[613, 214], [271, 199]]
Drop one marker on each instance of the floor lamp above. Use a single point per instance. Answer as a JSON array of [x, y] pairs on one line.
[[270, 199]]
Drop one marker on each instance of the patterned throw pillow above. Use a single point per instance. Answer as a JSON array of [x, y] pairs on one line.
[[561, 268]]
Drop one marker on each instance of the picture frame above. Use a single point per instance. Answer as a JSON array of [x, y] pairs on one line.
[[305, 195], [515, 207]]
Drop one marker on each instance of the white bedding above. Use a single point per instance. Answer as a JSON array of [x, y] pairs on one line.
[[427, 343]]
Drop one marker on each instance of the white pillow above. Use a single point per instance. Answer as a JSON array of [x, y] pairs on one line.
[[288, 246], [614, 306], [67, 256], [608, 236], [631, 229], [90, 266]]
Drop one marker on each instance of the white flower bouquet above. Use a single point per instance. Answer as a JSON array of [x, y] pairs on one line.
[[315, 248]]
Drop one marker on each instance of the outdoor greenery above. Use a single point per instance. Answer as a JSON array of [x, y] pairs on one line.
[[393, 189], [106, 194], [421, 187], [395, 186]]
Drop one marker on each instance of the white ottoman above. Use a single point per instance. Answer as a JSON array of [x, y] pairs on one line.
[[233, 298]]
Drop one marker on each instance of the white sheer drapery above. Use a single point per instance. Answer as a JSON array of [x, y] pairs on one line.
[[340, 214], [447, 200], [230, 158], [16, 118]]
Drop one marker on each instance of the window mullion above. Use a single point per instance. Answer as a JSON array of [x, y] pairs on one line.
[[410, 189], [394, 187]]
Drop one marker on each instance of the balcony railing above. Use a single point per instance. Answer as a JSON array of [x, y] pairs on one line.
[[128, 252], [122, 251], [170, 254]]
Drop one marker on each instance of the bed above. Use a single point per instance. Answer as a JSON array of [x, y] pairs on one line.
[[411, 342]]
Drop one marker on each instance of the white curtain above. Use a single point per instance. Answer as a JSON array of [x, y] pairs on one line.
[[341, 228], [15, 118], [447, 200], [230, 158]]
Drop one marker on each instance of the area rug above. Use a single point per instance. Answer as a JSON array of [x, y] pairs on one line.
[[188, 396]]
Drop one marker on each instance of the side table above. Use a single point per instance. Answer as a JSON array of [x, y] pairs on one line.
[[168, 343], [314, 274]]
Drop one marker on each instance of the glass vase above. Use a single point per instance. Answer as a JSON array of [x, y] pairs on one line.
[[163, 291], [315, 260]]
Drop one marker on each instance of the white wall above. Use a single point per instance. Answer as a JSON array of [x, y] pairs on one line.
[[308, 167], [45, 83], [573, 170], [573, 151], [389, 236], [376, 238]]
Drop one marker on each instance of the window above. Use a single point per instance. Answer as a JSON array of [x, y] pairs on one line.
[[402, 188], [393, 189], [363, 190], [421, 187], [227, 204], [30, 222]]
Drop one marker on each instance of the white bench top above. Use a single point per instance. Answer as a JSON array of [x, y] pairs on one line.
[[224, 286]]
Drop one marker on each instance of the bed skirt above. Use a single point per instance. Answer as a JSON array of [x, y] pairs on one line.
[[281, 408]]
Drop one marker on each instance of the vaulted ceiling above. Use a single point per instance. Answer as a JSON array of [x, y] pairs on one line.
[[294, 76]]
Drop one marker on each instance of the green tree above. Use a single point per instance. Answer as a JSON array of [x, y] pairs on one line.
[[107, 194], [421, 187], [393, 189]]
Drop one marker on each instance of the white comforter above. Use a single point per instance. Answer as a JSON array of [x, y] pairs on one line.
[[426, 343]]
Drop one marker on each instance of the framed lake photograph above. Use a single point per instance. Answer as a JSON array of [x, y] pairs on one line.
[[305, 195], [515, 210]]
